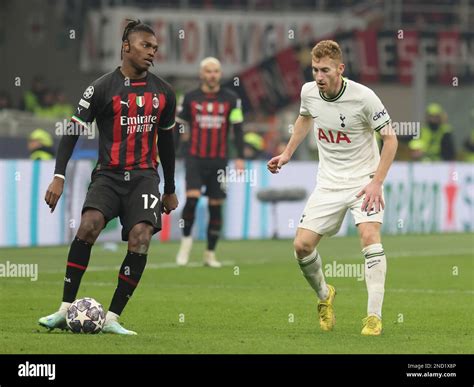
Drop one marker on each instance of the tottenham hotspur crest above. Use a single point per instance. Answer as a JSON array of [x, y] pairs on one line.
[[342, 118]]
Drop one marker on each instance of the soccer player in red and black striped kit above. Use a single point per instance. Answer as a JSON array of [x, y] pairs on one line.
[[209, 112], [135, 115]]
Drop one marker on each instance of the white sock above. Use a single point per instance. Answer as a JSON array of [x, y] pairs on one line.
[[111, 316], [311, 268], [375, 269], [64, 307]]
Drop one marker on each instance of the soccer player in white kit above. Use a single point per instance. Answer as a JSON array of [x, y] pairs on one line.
[[345, 116]]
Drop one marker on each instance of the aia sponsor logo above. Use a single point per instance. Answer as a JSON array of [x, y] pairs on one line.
[[334, 138]]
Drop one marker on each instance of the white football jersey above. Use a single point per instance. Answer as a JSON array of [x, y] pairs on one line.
[[345, 128]]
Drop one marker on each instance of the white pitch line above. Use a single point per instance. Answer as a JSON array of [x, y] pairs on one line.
[[172, 265], [292, 288]]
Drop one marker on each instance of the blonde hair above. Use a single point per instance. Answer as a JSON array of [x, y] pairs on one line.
[[327, 48], [209, 59]]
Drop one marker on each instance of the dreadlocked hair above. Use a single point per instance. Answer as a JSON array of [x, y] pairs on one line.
[[134, 26]]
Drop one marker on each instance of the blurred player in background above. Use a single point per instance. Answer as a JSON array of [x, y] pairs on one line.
[[208, 111], [345, 115], [135, 114]]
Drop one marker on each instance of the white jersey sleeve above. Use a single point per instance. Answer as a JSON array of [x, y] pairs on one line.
[[375, 113], [304, 107]]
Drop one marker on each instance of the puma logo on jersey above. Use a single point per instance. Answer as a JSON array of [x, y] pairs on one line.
[[124, 103], [341, 136]]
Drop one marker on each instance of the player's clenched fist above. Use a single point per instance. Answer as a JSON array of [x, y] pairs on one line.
[[275, 164], [169, 203], [54, 192]]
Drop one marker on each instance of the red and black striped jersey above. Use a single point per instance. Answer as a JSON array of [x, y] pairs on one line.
[[209, 116], [129, 114]]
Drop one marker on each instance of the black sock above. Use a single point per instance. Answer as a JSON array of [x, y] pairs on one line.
[[188, 215], [77, 262], [129, 276], [214, 228]]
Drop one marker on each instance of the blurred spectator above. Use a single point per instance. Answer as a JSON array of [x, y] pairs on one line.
[[54, 105], [45, 102], [253, 146], [5, 100], [469, 148], [436, 140], [40, 145], [47, 105], [32, 98], [62, 108]]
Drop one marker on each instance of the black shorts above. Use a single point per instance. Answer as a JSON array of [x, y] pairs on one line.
[[132, 195], [209, 173]]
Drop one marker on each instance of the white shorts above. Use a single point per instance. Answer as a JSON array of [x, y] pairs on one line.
[[326, 208]]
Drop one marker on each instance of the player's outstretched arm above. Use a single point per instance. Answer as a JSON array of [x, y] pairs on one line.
[[302, 126], [55, 189], [373, 199]]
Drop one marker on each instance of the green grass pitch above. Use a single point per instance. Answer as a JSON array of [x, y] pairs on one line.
[[257, 303]]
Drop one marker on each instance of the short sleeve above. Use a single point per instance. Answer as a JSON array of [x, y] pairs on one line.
[[304, 108], [167, 118], [375, 113]]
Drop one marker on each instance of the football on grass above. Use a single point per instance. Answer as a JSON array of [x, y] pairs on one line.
[[85, 315]]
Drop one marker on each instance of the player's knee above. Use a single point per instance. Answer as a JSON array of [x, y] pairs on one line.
[[139, 238], [369, 236], [302, 248], [193, 194], [91, 226]]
